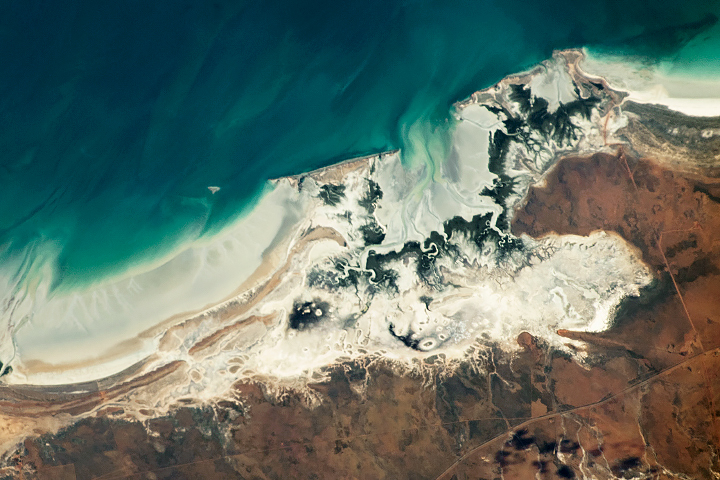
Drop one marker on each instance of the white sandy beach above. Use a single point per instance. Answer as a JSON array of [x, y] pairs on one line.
[[695, 95]]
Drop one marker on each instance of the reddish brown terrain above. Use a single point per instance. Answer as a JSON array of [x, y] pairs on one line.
[[644, 404]]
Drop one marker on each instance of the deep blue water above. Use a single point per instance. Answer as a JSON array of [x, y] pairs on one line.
[[115, 117]]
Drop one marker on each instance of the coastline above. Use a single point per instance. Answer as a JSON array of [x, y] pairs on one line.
[[393, 274], [275, 251]]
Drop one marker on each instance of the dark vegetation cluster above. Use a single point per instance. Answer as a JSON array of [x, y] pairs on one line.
[[557, 126], [332, 194], [373, 233], [481, 230], [306, 314]]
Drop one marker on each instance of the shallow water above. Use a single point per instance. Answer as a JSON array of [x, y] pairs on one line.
[[116, 117]]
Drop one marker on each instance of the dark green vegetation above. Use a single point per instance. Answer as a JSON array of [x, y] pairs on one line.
[[534, 129], [306, 314], [373, 233], [371, 197], [332, 194]]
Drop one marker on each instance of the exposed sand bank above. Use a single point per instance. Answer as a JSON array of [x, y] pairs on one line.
[[689, 94]]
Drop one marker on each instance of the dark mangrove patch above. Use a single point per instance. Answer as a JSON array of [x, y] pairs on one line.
[[536, 120], [373, 233], [332, 194], [306, 314], [372, 196], [407, 339]]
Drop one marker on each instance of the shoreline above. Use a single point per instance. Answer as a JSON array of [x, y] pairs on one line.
[[335, 173], [353, 163], [577, 59], [370, 271], [146, 343], [291, 240]]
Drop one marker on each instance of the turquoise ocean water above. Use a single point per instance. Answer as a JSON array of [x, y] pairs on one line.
[[115, 117]]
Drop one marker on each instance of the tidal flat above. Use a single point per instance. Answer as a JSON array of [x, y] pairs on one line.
[[533, 306]]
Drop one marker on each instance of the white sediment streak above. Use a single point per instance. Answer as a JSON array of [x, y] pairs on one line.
[[223, 306]]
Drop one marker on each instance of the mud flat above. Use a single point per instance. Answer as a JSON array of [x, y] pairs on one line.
[[534, 309]]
